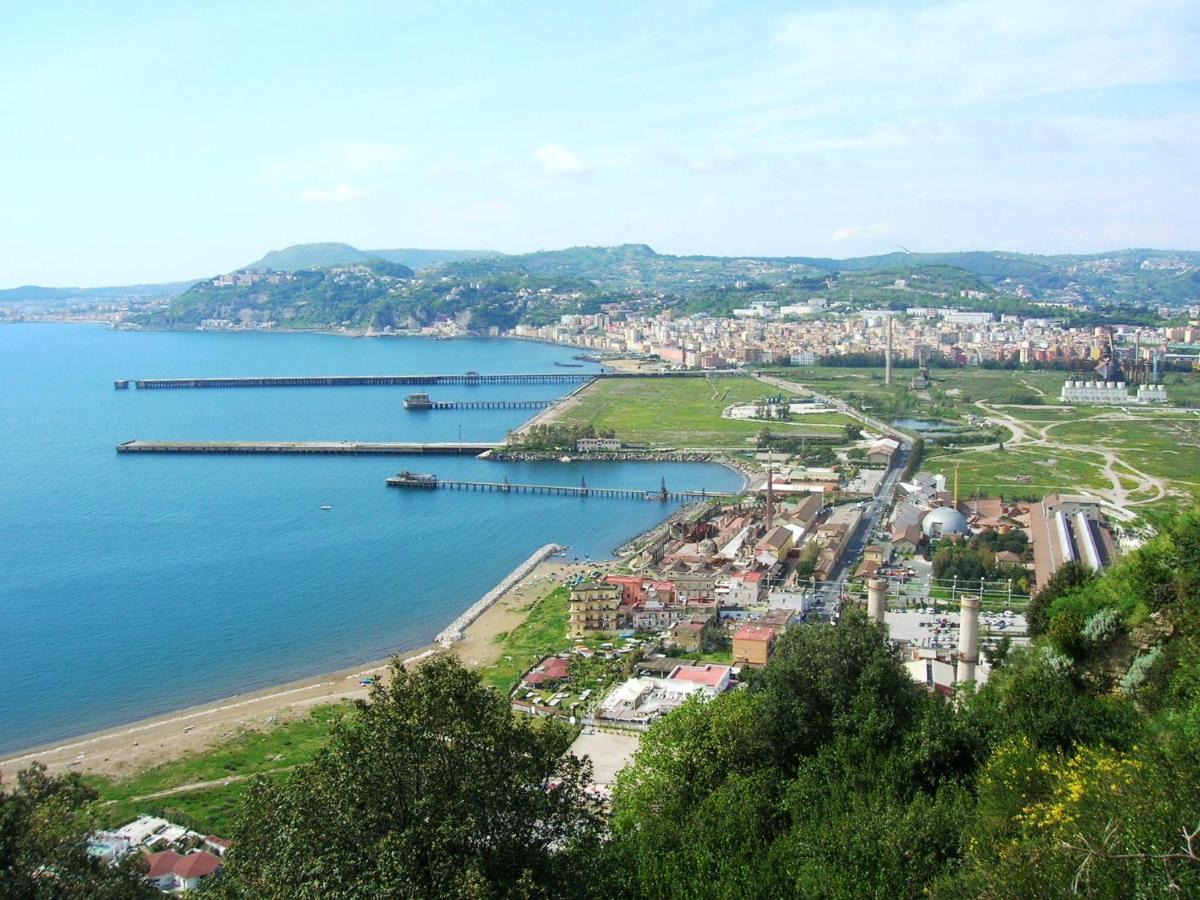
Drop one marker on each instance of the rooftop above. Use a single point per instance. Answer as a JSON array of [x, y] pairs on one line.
[[709, 675]]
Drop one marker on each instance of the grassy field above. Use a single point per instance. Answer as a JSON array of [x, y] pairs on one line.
[[543, 632], [683, 412], [988, 473], [231, 763], [1165, 446]]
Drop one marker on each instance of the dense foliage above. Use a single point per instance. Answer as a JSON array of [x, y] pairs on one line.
[[434, 789], [44, 821]]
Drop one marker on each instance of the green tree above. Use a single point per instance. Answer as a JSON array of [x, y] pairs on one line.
[[1069, 577], [432, 789], [44, 823]]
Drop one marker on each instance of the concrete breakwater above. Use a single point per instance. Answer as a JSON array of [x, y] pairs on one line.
[[454, 631], [301, 447]]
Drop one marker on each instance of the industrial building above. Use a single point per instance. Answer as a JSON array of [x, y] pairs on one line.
[[1065, 528], [1110, 393]]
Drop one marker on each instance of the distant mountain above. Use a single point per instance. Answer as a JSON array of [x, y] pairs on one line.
[[319, 256], [32, 293]]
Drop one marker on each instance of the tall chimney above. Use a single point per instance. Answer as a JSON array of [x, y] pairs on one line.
[[968, 638], [887, 361], [876, 599]]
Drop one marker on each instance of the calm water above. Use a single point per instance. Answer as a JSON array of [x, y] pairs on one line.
[[133, 585]]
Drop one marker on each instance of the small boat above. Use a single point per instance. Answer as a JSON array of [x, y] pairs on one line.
[[326, 507], [564, 459]]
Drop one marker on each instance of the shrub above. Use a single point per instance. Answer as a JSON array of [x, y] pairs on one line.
[[1138, 672], [1104, 625]]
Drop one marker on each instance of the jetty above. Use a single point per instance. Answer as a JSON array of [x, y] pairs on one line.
[[662, 494], [309, 447], [454, 631], [157, 384], [421, 402]]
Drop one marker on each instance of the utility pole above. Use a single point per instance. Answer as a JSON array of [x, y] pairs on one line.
[[887, 362]]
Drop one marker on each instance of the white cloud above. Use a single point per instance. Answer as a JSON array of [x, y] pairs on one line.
[[556, 159], [720, 158], [860, 232], [343, 193], [964, 52], [337, 162]]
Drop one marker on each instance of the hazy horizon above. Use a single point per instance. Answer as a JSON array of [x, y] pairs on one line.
[[161, 143]]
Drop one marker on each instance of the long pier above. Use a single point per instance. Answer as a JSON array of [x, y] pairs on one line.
[[155, 384], [480, 404], [662, 494], [304, 447]]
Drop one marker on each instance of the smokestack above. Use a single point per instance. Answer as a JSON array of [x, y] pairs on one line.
[[876, 599], [887, 361], [968, 638]]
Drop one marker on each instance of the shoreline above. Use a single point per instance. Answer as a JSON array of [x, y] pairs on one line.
[[134, 746], [141, 743]]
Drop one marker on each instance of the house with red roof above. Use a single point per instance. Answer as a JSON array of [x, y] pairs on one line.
[[550, 670], [171, 871], [710, 678]]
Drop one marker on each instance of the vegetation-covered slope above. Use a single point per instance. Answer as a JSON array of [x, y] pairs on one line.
[[1072, 771], [316, 256]]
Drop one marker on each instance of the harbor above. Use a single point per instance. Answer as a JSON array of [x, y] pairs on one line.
[[424, 481]]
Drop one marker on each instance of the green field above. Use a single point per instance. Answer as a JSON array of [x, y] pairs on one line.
[[1162, 445], [684, 412], [229, 764], [990, 473], [543, 632]]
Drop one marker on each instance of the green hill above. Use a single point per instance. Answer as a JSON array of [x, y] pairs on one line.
[[319, 256]]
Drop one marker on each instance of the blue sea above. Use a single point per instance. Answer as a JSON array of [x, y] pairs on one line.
[[134, 585]]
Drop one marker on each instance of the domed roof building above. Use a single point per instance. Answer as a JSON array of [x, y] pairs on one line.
[[944, 522], [708, 547]]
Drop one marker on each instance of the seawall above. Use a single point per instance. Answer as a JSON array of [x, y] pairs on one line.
[[454, 631]]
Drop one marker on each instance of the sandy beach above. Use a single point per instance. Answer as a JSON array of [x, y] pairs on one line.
[[130, 748]]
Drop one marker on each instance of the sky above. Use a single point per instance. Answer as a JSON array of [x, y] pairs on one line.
[[147, 142]]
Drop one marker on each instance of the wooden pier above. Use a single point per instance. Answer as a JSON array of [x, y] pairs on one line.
[[662, 494], [305, 447], [422, 403]]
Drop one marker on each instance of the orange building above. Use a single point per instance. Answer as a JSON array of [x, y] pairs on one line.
[[753, 645]]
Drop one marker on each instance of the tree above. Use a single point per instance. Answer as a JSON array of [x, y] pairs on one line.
[[432, 789], [44, 825], [1067, 578]]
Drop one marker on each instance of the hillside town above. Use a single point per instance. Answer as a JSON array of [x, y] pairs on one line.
[[806, 334]]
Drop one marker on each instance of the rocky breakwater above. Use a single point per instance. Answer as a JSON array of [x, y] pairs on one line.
[[454, 631]]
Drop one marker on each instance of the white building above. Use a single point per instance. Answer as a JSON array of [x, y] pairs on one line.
[[591, 445], [639, 701], [1104, 393], [1152, 393]]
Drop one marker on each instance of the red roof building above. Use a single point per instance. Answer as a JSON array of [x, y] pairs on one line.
[[171, 871], [548, 671]]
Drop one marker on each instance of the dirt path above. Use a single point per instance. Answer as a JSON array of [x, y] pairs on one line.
[[1027, 435]]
